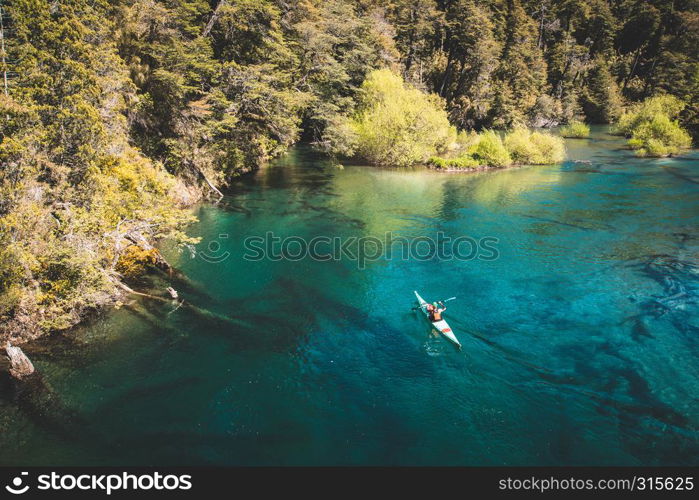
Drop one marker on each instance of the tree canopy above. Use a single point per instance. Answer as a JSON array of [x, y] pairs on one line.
[[506, 62]]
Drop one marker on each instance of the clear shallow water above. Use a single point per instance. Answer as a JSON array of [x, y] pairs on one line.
[[580, 341]]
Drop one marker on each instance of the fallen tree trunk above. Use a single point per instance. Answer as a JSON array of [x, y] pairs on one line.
[[211, 185], [128, 289], [203, 176], [182, 303], [20, 365]]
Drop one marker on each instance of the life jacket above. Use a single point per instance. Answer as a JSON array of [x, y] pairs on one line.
[[435, 315]]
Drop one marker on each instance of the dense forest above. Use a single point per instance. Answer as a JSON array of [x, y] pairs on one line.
[[119, 114]]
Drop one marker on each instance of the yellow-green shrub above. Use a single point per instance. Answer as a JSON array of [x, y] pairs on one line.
[[659, 137], [466, 139], [576, 130], [534, 148], [652, 127], [464, 162], [395, 124], [9, 300], [483, 149], [646, 111], [490, 150], [134, 260]]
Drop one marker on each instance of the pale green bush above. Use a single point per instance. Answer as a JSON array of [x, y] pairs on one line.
[[576, 130], [646, 111], [534, 148], [395, 124], [659, 137], [464, 162], [490, 150], [652, 127]]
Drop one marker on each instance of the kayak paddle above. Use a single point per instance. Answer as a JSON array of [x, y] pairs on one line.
[[445, 300]]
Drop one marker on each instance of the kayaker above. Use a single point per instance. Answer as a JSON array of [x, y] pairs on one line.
[[430, 311], [435, 311]]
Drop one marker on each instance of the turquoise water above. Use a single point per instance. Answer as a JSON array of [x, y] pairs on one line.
[[580, 340]]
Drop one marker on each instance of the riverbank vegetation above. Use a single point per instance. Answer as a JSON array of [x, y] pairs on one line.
[[477, 151], [120, 114], [534, 148], [653, 128], [575, 130], [394, 123]]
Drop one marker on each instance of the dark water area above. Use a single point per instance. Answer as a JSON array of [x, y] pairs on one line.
[[580, 341]]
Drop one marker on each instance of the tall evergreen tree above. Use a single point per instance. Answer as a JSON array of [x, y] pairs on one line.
[[522, 71]]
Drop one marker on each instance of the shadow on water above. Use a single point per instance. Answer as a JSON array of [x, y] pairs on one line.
[[568, 224], [44, 407], [678, 173]]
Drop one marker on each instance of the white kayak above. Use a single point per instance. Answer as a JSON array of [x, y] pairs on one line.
[[441, 326]]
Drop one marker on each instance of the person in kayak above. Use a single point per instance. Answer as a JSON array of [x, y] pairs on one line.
[[435, 311]]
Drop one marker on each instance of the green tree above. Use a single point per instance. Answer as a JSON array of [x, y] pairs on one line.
[[472, 59], [76, 191], [601, 99], [337, 46], [522, 71], [417, 23], [395, 124]]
